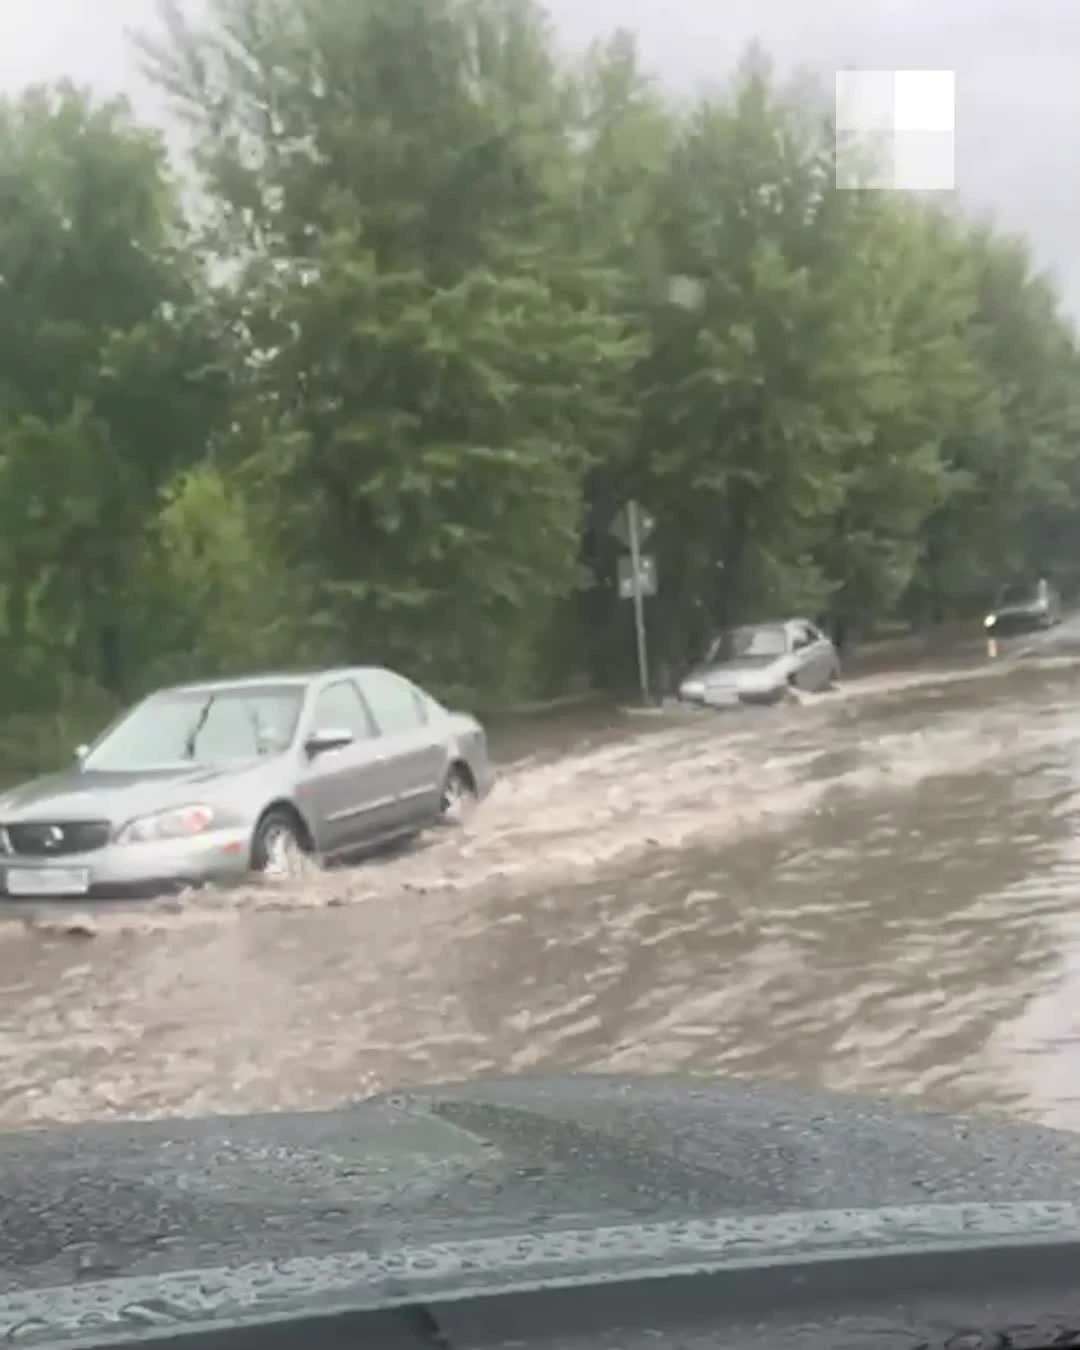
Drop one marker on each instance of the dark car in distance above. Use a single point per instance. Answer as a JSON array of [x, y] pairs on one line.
[[1024, 608]]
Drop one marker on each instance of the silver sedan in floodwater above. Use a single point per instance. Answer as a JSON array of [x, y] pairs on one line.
[[759, 663], [219, 780]]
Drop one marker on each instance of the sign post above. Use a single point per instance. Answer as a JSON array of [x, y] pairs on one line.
[[632, 527]]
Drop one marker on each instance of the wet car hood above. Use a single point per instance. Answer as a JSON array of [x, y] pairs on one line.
[[88, 794], [743, 668], [438, 1189]]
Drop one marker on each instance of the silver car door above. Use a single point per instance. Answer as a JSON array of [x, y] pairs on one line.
[[344, 791], [416, 755]]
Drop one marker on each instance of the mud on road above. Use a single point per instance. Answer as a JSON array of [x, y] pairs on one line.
[[583, 918]]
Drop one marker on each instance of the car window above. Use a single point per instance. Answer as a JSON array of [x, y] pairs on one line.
[[395, 704], [800, 636], [765, 641], [239, 728], [339, 705]]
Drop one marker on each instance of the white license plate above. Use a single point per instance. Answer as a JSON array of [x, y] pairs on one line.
[[47, 880], [721, 698]]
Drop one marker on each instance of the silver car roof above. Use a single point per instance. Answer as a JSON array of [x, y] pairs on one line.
[[263, 678]]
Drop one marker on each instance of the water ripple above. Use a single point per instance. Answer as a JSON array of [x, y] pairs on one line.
[[875, 895]]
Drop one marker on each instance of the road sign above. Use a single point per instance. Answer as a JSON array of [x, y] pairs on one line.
[[646, 577], [622, 527]]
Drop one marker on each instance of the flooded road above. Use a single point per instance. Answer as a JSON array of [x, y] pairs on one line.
[[879, 890]]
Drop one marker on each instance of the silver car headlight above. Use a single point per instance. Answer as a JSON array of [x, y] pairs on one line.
[[693, 689], [181, 822], [989, 621]]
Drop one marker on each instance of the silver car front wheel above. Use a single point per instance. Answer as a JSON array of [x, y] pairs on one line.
[[458, 796], [277, 851]]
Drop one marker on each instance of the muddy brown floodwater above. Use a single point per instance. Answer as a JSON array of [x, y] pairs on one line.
[[878, 890]]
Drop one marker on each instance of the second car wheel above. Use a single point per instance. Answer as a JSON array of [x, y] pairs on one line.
[[278, 850]]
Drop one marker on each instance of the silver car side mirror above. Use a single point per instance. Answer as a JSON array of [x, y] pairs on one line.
[[324, 739]]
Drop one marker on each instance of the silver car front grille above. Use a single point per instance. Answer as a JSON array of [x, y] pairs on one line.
[[54, 839]]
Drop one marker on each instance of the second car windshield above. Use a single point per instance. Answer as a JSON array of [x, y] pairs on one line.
[[1018, 594], [769, 640], [202, 726]]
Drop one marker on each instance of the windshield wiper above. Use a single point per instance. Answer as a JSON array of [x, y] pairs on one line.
[[193, 735]]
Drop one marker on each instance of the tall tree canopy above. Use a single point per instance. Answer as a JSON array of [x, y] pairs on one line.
[[436, 301]]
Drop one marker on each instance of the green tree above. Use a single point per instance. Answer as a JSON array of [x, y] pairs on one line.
[[110, 381], [429, 359], [917, 286], [216, 599], [755, 395], [1014, 507]]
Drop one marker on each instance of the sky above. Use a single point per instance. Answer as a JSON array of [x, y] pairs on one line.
[[1017, 75]]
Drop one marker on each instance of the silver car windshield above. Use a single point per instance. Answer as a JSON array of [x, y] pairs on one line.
[[201, 726], [769, 640]]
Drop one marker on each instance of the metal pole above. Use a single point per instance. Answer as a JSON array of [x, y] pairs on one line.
[[639, 599]]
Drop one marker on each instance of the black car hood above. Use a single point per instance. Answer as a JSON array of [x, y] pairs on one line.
[[483, 1158]]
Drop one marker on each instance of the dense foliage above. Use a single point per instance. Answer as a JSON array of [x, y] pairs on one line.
[[369, 373]]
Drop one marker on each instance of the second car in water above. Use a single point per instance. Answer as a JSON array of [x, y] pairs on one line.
[[219, 780], [759, 663]]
